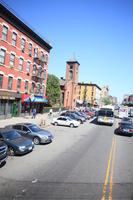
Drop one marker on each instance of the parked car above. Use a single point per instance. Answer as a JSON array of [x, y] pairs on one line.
[[65, 121], [124, 129], [3, 151], [73, 116], [86, 115], [126, 120], [33, 132], [17, 145]]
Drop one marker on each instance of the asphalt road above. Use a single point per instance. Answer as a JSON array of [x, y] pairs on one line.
[[88, 162]]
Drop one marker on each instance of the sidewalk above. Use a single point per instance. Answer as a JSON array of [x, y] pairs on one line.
[[44, 118]]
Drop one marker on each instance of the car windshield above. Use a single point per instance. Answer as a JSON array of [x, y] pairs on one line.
[[69, 118], [126, 119], [34, 128], [11, 135], [106, 113]]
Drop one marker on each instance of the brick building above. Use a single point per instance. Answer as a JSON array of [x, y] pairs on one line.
[[88, 93], [69, 84], [24, 57]]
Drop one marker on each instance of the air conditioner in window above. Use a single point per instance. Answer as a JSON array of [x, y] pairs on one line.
[[18, 90], [26, 91]]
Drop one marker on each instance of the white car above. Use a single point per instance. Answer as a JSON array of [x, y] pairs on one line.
[[65, 121]]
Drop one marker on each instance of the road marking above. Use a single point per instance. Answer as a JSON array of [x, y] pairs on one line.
[[111, 158], [112, 171]]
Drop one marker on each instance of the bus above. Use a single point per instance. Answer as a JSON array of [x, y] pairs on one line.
[[105, 116]]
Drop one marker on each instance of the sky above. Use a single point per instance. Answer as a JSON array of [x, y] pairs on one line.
[[99, 33]]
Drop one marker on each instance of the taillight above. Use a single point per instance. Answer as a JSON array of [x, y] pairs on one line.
[[132, 130], [120, 129]]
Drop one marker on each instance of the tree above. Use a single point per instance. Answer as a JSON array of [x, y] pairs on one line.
[[53, 89], [106, 101]]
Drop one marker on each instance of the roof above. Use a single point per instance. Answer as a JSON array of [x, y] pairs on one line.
[[62, 82], [11, 18], [73, 60], [89, 84]]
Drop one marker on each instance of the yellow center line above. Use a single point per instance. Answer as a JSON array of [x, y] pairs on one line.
[[112, 171], [108, 169]]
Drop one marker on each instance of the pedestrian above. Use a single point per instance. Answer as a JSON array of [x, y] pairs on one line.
[[59, 110], [34, 113], [51, 112]]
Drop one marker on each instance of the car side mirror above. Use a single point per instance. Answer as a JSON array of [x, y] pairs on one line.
[[28, 132]]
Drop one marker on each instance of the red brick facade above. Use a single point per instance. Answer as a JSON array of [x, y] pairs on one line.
[[25, 67], [69, 85]]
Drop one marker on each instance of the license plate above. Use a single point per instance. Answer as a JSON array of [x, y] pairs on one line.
[[126, 130]]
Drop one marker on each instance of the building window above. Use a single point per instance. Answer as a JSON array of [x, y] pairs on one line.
[[2, 56], [35, 52], [43, 88], [23, 44], [44, 74], [40, 72], [4, 33], [14, 39], [46, 58], [32, 87], [70, 75], [21, 64], [34, 69], [12, 60], [38, 89], [10, 80], [1, 80], [71, 66], [26, 86], [42, 55], [28, 67], [30, 49], [19, 84]]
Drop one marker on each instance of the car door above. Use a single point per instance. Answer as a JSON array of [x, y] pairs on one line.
[[64, 121], [60, 121], [26, 132]]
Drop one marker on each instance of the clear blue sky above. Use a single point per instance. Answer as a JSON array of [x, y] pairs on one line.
[[98, 32]]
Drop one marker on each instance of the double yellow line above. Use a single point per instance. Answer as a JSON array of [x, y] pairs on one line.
[[109, 173]]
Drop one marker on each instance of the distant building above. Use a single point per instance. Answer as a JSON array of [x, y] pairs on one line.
[[24, 58], [113, 99], [69, 84], [104, 92], [88, 93]]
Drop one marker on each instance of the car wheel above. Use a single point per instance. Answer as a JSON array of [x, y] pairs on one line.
[[55, 123], [71, 125], [11, 151], [36, 140], [80, 121]]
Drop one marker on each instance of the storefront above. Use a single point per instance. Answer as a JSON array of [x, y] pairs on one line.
[[32, 101], [10, 104]]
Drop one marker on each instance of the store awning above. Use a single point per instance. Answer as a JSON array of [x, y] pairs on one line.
[[39, 99], [36, 99]]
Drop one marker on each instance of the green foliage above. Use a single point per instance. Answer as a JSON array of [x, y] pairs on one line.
[[53, 89], [106, 101]]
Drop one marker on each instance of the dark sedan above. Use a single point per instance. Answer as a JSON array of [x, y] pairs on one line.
[[124, 129], [17, 145], [73, 116], [33, 132]]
